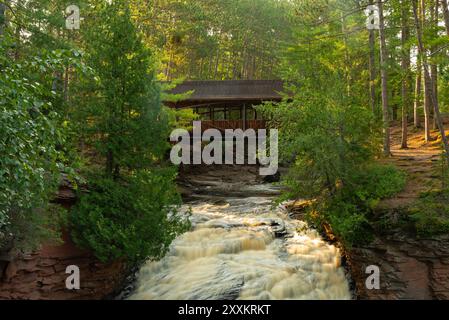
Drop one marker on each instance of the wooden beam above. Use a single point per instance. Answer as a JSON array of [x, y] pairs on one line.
[[244, 117]]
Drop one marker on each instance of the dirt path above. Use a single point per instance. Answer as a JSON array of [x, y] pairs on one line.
[[411, 268], [422, 163]]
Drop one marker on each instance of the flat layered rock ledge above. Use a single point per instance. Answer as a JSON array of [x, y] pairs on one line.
[[41, 275]]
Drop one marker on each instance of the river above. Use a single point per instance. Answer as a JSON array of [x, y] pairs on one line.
[[241, 247]]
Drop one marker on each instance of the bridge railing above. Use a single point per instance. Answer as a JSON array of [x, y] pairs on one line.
[[233, 124]]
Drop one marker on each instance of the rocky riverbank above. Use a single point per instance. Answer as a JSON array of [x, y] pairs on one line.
[[410, 268], [41, 275]]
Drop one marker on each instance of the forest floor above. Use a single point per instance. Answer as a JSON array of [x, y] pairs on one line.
[[422, 163]]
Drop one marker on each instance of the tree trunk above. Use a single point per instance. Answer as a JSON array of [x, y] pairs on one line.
[[66, 84], [109, 163], [418, 95], [446, 15], [18, 33], [384, 78], [347, 59], [2, 17], [405, 64], [372, 67], [217, 64], [434, 67], [427, 83], [422, 53]]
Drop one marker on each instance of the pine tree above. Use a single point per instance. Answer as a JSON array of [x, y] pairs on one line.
[[130, 210], [125, 107], [384, 78]]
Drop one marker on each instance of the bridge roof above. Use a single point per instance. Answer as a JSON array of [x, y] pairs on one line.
[[228, 91]]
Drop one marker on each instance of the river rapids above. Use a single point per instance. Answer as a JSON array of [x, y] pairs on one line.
[[240, 247]]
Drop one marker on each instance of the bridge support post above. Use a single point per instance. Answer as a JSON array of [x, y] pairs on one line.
[[244, 117]]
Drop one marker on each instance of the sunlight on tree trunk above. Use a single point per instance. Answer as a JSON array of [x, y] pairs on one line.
[[429, 92], [405, 64], [427, 83], [418, 95], [445, 15]]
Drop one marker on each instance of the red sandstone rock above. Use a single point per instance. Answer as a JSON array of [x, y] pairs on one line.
[[410, 268], [41, 275]]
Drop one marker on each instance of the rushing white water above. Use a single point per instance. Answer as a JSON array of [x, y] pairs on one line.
[[242, 248]]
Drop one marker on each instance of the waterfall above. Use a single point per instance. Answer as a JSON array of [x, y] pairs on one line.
[[243, 248]]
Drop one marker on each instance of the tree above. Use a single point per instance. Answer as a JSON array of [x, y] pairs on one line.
[[427, 83], [216, 39], [31, 136], [418, 90], [372, 66], [2, 17], [405, 64], [384, 78], [125, 98], [445, 15], [434, 12], [427, 79], [130, 210]]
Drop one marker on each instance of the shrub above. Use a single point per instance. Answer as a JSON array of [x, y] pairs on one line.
[[378, 182], [348, 210], [130, 219], [349, 223], [431, 214]]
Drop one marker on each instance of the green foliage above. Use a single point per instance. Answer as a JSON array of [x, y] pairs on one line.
[[182, 118], [431, 214], [128, 219], [348, 223], [130, 210], [333, 151], [323, 148], [51, 105], [233, 39], [178, 118], [329, 136], [327, 130], [378, 182], [31, 137], [348, 211], [120, 112]]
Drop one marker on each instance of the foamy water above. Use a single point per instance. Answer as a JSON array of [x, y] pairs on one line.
[[242, 248]]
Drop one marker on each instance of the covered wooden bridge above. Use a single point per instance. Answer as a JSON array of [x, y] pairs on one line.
[[228, 104]]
